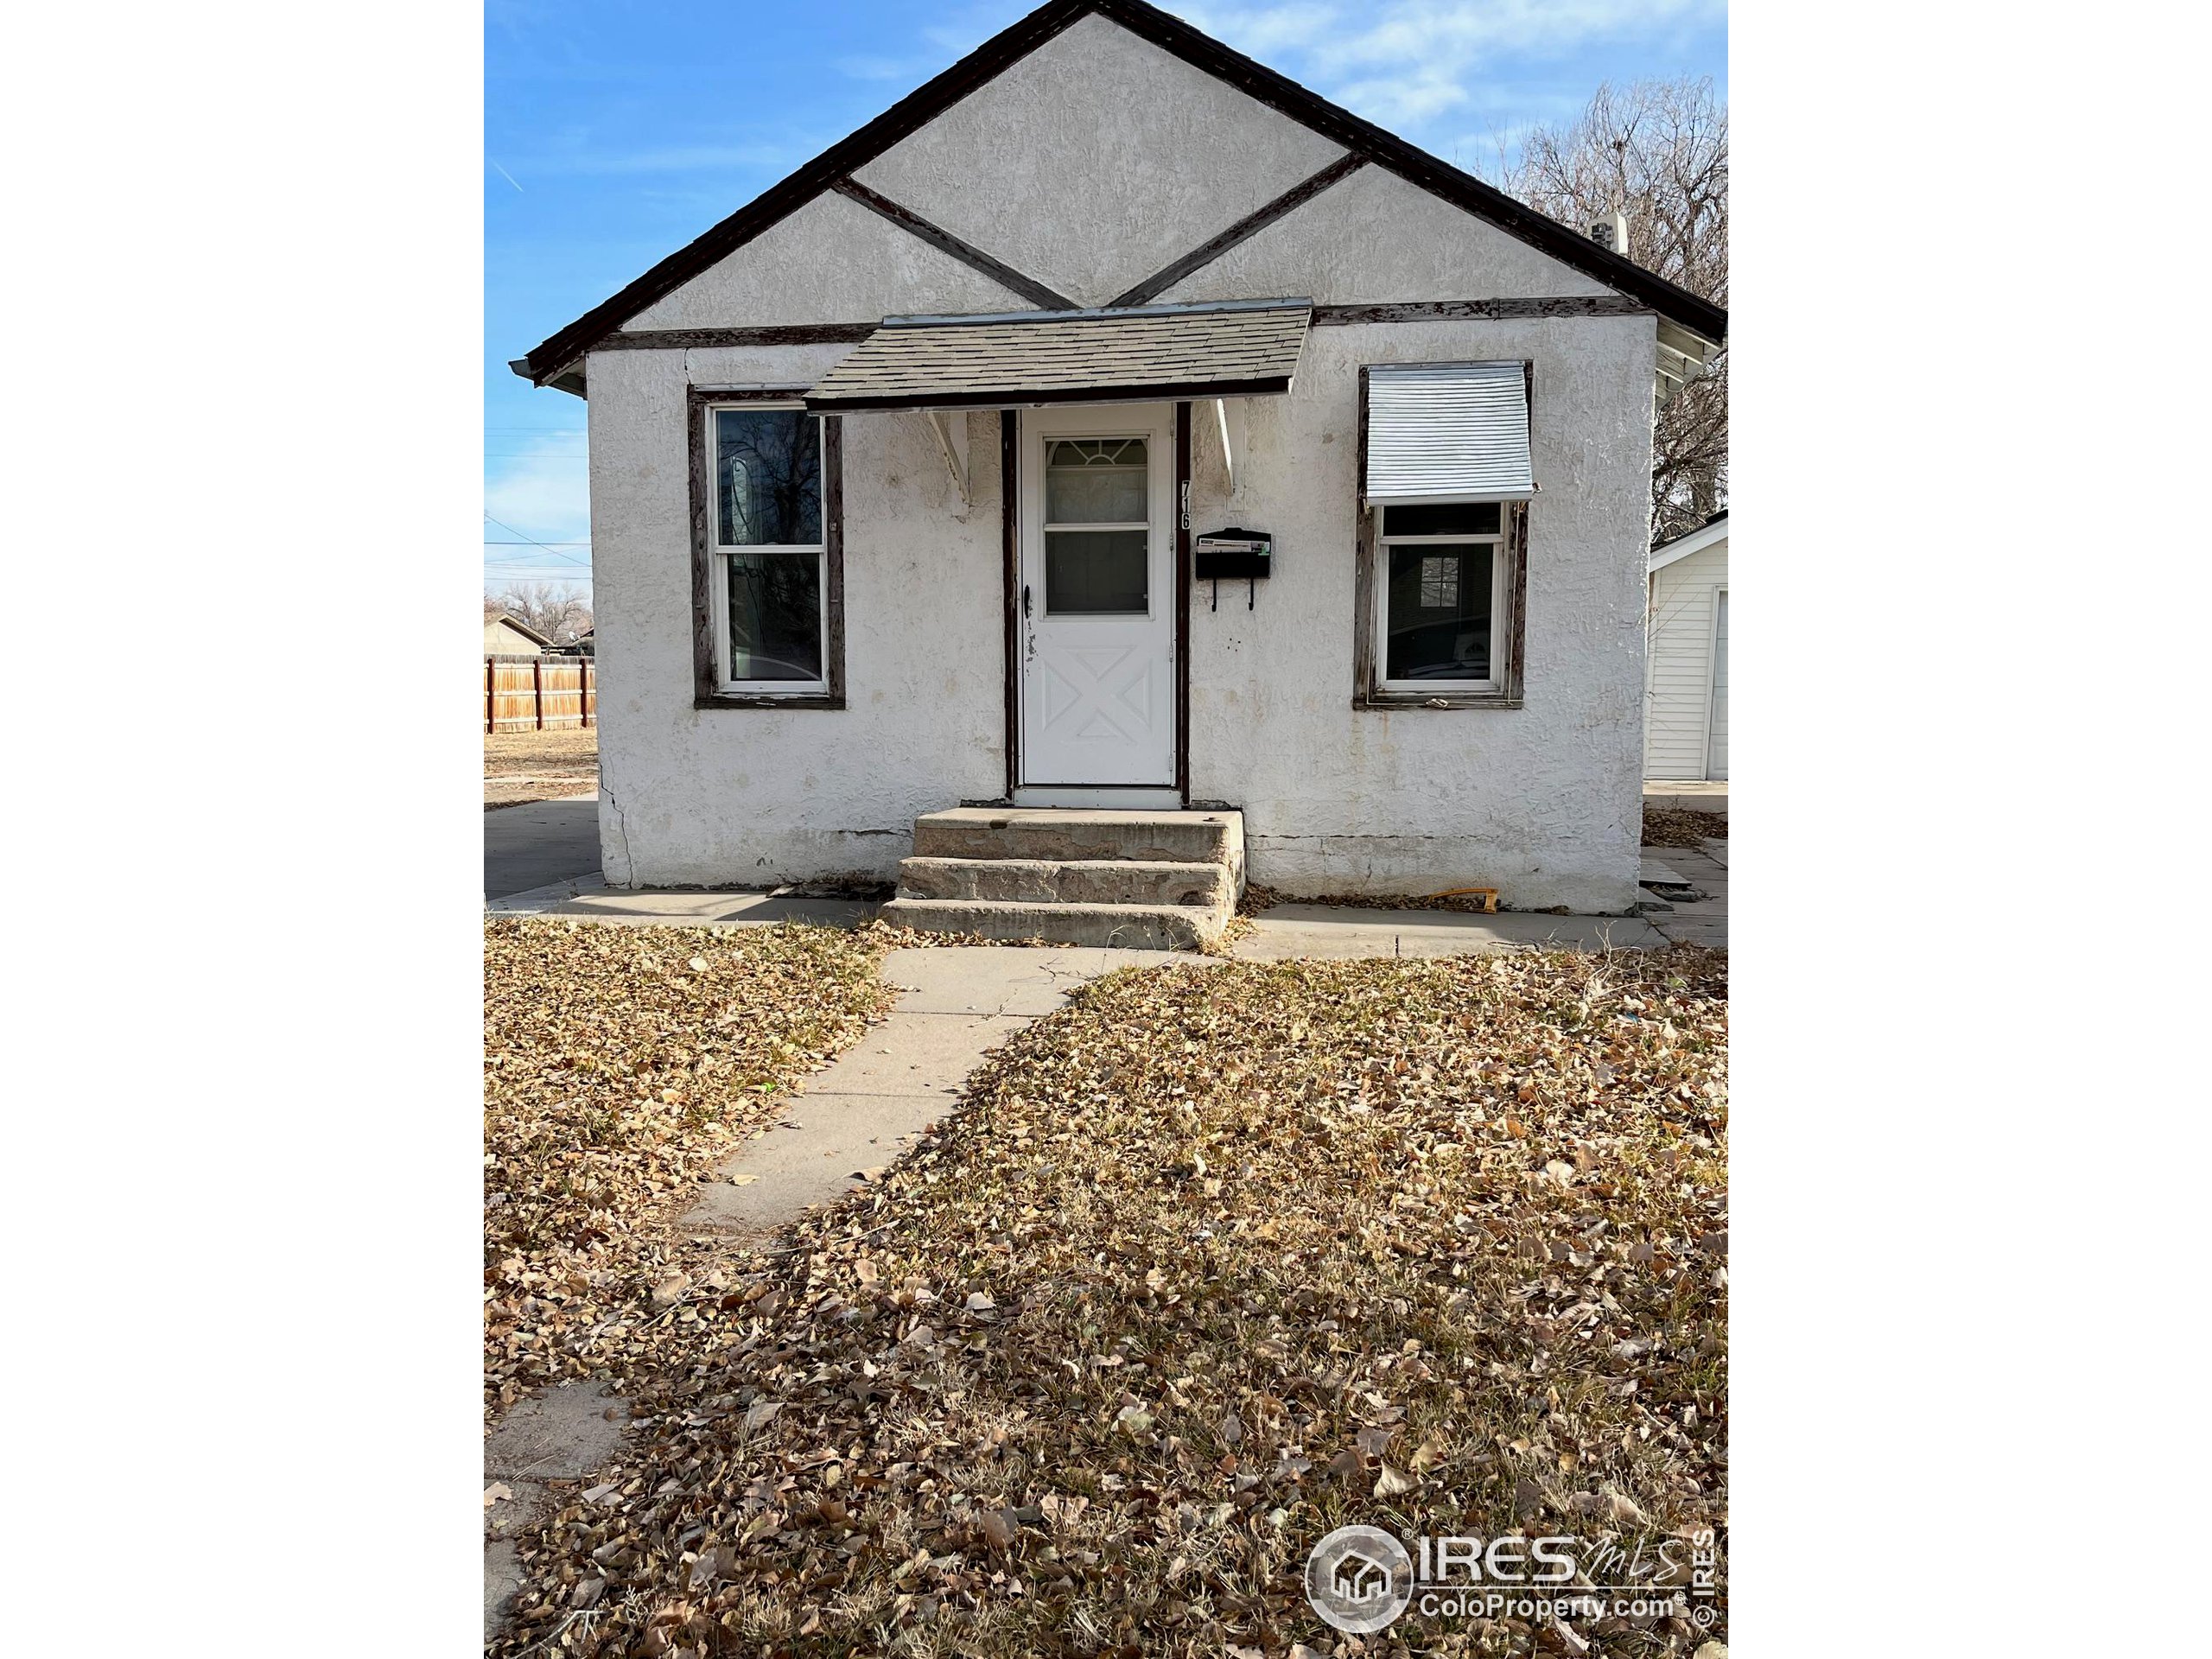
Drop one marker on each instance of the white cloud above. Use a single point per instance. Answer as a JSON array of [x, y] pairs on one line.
[[1414, 34], [1404, 63]]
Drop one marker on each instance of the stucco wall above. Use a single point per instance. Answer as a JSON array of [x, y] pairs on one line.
[[736, 796], [831, 261], [1542, 802], [1095, 161], [1678, 708], [1373, 238]]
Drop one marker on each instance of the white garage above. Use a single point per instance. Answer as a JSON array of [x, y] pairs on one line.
[[1686, 687]]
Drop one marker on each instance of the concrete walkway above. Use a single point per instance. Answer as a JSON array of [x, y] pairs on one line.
[[1699, 915], [1692, 794], [1330, 931], [956, 1005], [850, 1119], [552, 1440], [540, 841]]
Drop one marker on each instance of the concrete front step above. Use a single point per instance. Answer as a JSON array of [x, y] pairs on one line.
[[1139, 927], [1038, 833], [1066, 881]]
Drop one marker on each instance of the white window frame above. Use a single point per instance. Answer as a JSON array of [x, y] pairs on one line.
[[720, 553], [1500, 594], [1047, 527]]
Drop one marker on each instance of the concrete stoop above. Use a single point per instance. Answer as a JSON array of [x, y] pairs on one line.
[[1143, 881]]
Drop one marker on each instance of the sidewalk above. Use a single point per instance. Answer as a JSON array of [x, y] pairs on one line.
[[1701, 915], [1284, 931]]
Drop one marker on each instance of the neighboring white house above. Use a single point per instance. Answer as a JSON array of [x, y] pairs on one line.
[[1685, 702], [902, 478]]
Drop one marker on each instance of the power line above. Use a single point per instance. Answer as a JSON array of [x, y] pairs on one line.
[[548, 546]]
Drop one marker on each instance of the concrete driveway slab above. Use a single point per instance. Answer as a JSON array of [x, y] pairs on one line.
[[543, 841]]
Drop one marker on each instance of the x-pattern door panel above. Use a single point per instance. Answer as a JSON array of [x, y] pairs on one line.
[[1098, 574]]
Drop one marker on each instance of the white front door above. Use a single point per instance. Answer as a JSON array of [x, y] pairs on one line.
[[1097, 624]]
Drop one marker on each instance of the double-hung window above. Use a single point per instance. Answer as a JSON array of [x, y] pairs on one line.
[[1444, 482], [768, 577]]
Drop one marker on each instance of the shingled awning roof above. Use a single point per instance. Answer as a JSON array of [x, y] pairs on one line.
[[1144, 354]]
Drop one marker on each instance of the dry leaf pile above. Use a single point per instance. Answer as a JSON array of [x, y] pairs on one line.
[[1680, 826], [1213, 1260], [620, 1064]]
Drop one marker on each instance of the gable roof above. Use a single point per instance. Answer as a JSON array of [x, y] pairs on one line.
[[1714, 530], [518, 625], [919, 108]]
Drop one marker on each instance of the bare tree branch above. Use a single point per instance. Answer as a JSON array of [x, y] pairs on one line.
[[558, 611], [1656, 150]]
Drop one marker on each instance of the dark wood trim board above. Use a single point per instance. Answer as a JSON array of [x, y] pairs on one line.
[[1183, 601], [945, 241], [1010, 584], [1244, 230]]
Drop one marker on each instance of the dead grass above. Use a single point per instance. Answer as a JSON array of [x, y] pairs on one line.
[[620, 1064], [521, 767], [1676, 826], [1213, 1260]]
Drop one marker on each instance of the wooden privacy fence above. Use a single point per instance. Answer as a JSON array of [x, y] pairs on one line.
[[540, 694]]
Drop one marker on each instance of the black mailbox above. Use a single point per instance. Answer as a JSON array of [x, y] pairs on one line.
[[1235, 553]]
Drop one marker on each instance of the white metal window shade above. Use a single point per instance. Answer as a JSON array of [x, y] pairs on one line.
[[1447, 432]]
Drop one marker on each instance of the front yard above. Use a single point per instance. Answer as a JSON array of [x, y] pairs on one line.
[[619, 1064], [1210, 1263]]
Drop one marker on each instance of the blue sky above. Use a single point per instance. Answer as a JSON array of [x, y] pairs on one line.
[[615, 133]]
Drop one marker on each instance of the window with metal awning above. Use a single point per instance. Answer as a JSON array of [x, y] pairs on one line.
[[1029, 359], [1444, 432], [1446, 481]]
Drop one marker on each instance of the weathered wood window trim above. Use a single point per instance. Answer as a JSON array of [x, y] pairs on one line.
[[1367, 690], [706, 626]]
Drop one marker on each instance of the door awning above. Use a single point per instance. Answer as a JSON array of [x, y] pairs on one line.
[[1138, 355], [1447, 432]]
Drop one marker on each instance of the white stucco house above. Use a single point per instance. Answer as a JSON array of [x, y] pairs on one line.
[[1686, 699], [1112, 425]]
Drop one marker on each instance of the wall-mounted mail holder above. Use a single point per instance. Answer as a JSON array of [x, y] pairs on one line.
[[1233, 553]]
